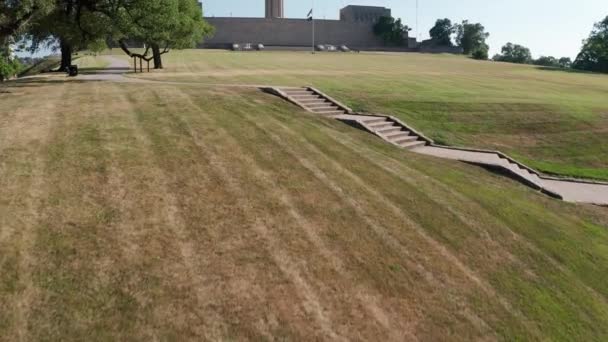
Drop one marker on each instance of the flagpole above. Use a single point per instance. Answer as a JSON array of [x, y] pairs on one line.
[[417, 31], [313, 26]]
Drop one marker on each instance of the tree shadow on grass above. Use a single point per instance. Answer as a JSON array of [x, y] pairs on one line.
[[113, 70], [37, 82]]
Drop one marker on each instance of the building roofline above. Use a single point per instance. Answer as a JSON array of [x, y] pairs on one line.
[[363, 6]]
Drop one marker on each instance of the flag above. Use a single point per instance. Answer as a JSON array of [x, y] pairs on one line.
[[309, 15]]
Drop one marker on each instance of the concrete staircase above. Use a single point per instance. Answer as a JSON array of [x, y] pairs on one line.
[[398, 133], [312, 101], [386, 127], [389, 129]]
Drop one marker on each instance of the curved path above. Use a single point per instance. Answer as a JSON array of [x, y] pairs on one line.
[[579, 191], [114, 71]]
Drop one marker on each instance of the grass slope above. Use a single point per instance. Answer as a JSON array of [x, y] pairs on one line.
[[555, 121], [168, 212]]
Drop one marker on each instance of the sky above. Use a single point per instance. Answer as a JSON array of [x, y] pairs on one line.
[[547, 27]]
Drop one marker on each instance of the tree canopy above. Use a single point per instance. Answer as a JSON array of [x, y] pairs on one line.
[[550, 61], [471, 37], [594, 54], [565, 62], [441, 33], [14, 15], [514, 53], [481, 53], [72, 25], [161, 25], [392, 31]]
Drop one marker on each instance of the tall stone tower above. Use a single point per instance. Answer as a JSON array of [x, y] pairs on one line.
[[274, 9]]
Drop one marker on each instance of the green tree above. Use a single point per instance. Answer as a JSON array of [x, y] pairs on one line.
[[514, 53], [594, 54], [161, 25], [548, 61], [392, 31], [471, 37], [565, 62], [441, 33], [14, 15], [481, 52], [71, 25]]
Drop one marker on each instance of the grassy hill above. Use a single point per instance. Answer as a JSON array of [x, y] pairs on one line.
[[554, 120], [189, 212]]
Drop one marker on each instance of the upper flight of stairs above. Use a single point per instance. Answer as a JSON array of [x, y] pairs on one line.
[[313, 101]]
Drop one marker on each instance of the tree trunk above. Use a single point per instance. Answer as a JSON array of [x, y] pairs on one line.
[[158, 60], [5, 51], [66, 55]]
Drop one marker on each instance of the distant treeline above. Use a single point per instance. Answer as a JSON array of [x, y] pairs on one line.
[[472, 39]]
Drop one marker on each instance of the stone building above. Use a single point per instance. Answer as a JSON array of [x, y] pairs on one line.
[[363, 14], [354, 29]]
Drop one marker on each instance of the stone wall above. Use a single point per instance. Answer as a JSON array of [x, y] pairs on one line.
[[290, 32]]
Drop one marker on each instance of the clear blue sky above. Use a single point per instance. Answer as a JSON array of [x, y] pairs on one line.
[[547, 27]]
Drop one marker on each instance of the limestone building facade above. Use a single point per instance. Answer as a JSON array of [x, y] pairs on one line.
[[354, 29]]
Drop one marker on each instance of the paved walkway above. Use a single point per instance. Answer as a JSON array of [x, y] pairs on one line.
[[571, 191], [114, 72], [118, 68]]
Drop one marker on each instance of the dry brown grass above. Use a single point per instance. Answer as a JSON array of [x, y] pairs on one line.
[[168, 212]]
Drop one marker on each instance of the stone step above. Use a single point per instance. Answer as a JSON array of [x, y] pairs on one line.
[[389, 129], [312, 101], [382, 125], [308, 98], [292, 88], [305, 95], [376, 120], [412, 144], [333, 112], [404, 138], [398, 136], [318, 104], [325, 109], [299, 93], [393, 134]]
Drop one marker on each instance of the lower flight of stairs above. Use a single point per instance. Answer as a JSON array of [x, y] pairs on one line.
[[389, 129]]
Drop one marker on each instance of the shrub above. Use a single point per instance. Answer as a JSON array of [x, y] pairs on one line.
[[514, 53], [8, 68], [481, 53]]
